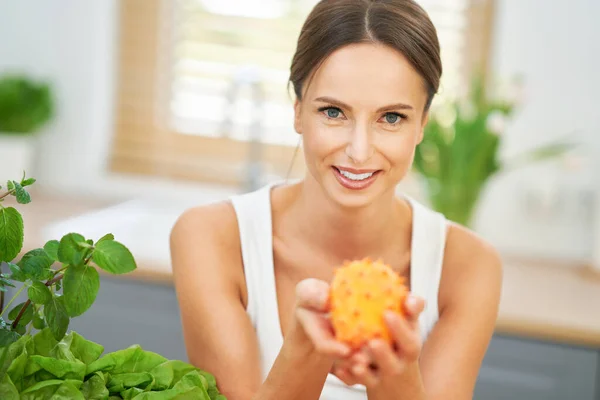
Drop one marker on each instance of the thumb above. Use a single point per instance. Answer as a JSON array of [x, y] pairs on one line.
[[313, 294]]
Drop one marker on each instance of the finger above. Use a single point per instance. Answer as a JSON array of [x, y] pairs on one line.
[[387, 362], [313, 294], [358, 358], [406, 338], [365, 375], [345, 376], [316, 328], [413, 307]]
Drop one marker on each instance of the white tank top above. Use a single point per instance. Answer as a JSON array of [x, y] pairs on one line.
[[253, 212]]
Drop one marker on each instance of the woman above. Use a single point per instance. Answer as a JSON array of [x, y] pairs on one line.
[[252, 273]]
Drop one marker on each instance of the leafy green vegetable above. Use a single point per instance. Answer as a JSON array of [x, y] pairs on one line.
[[131, 359], [8, 391], [95, 387], [83, 349], [54, 389]]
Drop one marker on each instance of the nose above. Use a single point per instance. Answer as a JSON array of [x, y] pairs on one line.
[[360, 148]]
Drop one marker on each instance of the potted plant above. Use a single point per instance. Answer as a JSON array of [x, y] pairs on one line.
[[25, 107], [459, 153], [39, 358]]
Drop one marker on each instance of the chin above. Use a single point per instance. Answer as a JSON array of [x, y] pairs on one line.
[[351, 198]]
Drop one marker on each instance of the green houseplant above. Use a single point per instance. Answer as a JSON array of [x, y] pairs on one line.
[[26, 106], [39, 358], [459, 153]]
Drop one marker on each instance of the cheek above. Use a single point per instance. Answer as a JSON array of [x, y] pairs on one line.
[[321, 140], [399, 150]]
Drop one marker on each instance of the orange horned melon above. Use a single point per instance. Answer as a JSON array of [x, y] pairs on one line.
[[360, 293]]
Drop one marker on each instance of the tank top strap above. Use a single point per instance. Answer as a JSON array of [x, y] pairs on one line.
[[253, 211], [427, 257]]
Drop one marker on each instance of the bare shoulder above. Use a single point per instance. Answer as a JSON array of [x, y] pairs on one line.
[[205, 241], [471, 264], [215, 222]]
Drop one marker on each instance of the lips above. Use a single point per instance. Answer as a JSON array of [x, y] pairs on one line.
[[355, 179]]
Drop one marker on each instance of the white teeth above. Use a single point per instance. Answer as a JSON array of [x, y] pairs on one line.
[[356, 177]]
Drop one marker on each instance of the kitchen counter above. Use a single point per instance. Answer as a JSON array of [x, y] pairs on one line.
[[539, 301]]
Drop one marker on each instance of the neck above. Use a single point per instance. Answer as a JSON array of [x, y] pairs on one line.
[[348, 233]]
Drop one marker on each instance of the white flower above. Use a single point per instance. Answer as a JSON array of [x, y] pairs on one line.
[[496, 122]]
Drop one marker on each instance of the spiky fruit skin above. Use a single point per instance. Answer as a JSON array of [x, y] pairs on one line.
[[361, 291]]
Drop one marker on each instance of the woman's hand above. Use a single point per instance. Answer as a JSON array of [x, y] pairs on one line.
[[311, 323], [380, 366]]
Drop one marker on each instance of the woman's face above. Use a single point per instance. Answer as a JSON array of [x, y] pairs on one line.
[[361, 117]]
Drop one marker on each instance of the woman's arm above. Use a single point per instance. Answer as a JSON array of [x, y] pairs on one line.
[[219, 337], [469, 298]]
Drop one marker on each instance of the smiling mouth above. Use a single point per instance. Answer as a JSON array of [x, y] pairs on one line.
[[355, 179]]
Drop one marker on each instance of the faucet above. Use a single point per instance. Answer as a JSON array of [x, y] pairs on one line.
[[248, 75]]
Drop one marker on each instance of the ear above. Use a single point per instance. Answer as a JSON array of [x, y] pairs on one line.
[[297, 115], [424, 121]]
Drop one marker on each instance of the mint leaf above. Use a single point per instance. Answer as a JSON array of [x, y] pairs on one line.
[[17, 274], [38, 322], [108, 236], [51, 248], [25, 318], [69, 252], [4, 281], [36, 264], [10, 185], [39, 293], [28, 182], [11, 233], [7, 336], [113, 257], [57, 318], [21, 194], [80, 287]]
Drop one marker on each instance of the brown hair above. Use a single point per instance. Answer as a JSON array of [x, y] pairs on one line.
[[400, 24]]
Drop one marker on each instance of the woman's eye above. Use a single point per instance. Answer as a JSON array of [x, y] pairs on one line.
[[332, 112], [392, 118]]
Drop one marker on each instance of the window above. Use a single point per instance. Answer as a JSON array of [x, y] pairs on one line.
[[202, 81]]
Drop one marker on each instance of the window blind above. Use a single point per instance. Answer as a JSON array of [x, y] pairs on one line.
[[228, 63]]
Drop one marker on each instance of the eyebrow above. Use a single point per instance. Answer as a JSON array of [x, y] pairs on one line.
[[397, 106]]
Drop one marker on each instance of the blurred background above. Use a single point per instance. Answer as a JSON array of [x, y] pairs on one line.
[[127, 112]]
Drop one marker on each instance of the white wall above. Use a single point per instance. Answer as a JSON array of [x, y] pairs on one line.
[[553, 43], [71, 43]]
